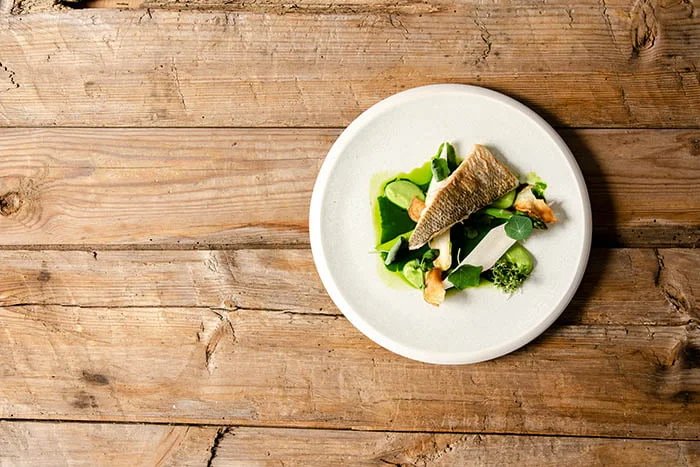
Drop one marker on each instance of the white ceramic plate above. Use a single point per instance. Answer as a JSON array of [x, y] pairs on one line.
[[400, 133]]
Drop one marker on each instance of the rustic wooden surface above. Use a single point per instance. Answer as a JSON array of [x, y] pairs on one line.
[[158, 300]]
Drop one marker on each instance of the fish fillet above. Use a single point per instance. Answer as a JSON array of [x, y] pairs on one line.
[[478, 181]]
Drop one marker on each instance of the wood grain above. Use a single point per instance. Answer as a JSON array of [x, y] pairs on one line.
[[598, 64], [622, 287], [194, 188], [194, 365], [251, 446], [90, 444], [47, 443]]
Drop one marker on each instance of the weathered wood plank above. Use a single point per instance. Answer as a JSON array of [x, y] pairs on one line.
[[47, 443], [90, 444], [620, 286], [251, 279], [195, 365], [618, 63], [251, 446], [251, 187]]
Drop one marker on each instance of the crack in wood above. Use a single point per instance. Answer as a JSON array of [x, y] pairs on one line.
[[220, 434], [223, 328], [10, 77], [671, 292], [438, 452], [176, 76], [570, 14], [485, 38], [395, 21], [608, 24]]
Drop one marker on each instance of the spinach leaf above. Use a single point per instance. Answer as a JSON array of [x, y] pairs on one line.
[[393, 220]]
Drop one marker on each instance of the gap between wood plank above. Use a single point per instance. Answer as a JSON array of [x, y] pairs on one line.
[[316, 127], [335, 429], [172, 247]]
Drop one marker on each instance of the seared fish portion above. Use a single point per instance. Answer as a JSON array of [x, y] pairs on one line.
[[478, 181]]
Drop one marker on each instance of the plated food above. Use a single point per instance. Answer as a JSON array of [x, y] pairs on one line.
[[399, 133], [459, 223]]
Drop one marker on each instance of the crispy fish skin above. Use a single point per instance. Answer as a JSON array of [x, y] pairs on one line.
[[478, 181]]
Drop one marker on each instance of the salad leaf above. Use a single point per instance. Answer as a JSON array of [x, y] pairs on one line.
[[465, 276], [393, 220], [430, 255], [519, 227], [440, 169], [426, 262], [538, 185], [386, 246], [401, 244]]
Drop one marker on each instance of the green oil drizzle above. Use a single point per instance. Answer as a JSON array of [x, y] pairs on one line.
[[389, 222]]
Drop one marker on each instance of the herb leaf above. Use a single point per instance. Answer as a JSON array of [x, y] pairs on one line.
[[400, 244], [440, 169], [519, 227], [509, 276], [426, 263], [465, 276]]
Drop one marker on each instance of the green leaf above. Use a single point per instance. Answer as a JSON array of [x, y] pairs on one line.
[[426, 262], [386, 246], [465, 276], [538, 185], [519, 227], [395, 250], [393, 220], [440, 169]]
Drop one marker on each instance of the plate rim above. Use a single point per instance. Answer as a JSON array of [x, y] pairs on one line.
[[320, 260]]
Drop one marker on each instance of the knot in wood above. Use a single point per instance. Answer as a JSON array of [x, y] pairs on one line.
[[644, 26], [10, 203]]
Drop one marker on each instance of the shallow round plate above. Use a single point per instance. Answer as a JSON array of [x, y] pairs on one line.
[[400, 133]]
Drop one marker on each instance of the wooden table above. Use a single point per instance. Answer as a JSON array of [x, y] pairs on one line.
[[158, 299]]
